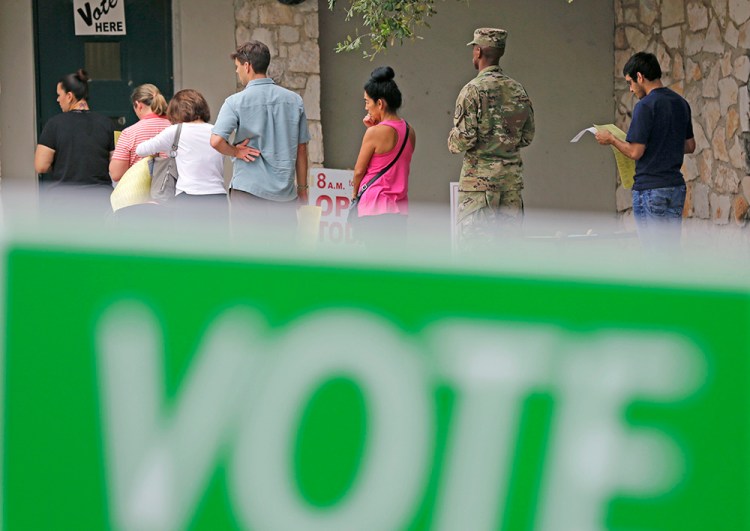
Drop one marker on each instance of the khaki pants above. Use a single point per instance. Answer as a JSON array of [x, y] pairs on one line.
[[488, 216]]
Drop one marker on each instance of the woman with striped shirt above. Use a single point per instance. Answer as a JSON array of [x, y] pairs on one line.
[[150, 107]]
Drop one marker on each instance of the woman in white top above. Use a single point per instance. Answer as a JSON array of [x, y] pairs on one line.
[[200, 168]]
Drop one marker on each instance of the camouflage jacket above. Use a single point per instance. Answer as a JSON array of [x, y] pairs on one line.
[[493, 120]]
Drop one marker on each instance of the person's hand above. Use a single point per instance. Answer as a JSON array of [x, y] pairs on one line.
[[302, 196], [244, 152], [605, 138], [369, 121]]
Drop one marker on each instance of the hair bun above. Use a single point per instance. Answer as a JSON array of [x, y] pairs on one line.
[[82, 75], [383, 73]]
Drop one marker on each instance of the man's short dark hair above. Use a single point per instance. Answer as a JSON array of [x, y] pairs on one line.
[[493, 54], [645, 63], [256, 53]]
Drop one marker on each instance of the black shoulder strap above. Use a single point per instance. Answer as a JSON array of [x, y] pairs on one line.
[[382, 172]]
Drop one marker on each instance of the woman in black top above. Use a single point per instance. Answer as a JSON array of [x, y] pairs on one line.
[[75, 146]]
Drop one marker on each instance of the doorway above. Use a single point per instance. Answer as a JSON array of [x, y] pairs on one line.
[[115, 63]]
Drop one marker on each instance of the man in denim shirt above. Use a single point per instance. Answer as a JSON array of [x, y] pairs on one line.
[[660, 134], [270, 143]]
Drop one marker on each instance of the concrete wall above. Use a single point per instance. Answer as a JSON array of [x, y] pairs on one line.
[[203, 39], [17, 101], [203, 34], [563, 55]]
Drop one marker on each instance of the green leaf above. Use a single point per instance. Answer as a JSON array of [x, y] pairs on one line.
[[386, 21]]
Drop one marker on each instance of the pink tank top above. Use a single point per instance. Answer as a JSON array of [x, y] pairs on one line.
[[388, 195]]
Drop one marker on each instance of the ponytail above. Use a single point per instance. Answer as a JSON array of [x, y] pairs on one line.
[[150, 96]]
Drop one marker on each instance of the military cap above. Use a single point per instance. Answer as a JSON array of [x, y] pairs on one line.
[[492, 37]]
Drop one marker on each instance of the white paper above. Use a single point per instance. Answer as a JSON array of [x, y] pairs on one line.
[[591, 130], [625, 166]]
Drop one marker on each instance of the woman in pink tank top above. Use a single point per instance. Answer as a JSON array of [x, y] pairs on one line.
[[384, 203]]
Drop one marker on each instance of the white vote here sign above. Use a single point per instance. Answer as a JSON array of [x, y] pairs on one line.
[[99, 17]]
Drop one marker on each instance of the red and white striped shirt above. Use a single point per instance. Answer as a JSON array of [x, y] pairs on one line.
[[144, 129]]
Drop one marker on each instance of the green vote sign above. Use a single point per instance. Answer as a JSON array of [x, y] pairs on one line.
[[156, 391]]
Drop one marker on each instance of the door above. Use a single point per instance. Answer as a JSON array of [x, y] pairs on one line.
[[116, 63]]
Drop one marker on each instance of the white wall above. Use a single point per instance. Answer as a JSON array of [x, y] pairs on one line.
[[17, 100], [562, 53], [203, 39]]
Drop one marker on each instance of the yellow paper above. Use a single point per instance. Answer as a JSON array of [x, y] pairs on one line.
[[308, 224], [134, 188], [625, 166]]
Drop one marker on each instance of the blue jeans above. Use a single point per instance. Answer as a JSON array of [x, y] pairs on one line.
[[658, 215]]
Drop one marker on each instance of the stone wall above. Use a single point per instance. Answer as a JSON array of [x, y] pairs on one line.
[[291, 33], [702, 46]]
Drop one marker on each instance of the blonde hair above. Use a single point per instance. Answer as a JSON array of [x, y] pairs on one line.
[[149, 95]]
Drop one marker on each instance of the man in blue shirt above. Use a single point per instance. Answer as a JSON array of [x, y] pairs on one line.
[[270, 142], [660, 134]]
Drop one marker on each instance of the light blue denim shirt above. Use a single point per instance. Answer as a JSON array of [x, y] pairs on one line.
[[274, 120]]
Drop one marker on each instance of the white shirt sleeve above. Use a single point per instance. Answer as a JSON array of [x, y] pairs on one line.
[[160, 143]]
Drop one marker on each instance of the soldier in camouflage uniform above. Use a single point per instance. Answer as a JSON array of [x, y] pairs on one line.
[[493, 120]]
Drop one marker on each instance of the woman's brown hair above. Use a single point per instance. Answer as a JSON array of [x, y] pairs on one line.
[[188, 105]]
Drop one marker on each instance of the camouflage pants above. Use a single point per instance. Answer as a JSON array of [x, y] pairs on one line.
[[484, 217]]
